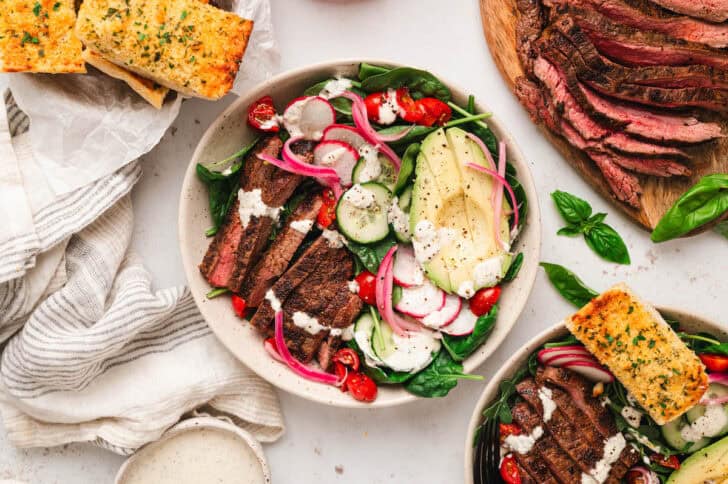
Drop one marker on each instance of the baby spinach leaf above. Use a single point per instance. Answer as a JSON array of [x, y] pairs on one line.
[[439, 377], [386, 376], [514, 268], [569, 285], [716, 349], [416, 134], [706, 201], [418, 81], [606, 242], [341, 105], [369, 70], [460, 347], [500, 409], [371, 255], [407, 167], [573, 209]]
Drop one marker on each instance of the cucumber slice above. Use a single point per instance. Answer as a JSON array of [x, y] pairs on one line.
[[364, 225], [715, 390], [382, 342], [363, 329], [671, 433], [405, 199], [387, 177], [409, 353]]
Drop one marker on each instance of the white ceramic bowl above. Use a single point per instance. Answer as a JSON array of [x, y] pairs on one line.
[[225, 136], [690, 322]]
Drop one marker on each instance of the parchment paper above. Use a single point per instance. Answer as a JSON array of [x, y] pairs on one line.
[[83, 127]]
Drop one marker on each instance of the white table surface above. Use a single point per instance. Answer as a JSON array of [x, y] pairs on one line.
[[422, 442]]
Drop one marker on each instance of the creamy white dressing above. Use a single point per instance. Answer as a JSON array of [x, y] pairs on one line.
[[359, 197], [632, 416], [466, 289], [270, 123], [605, 401], [398, 218], [372, 166], [335, 87], [270, 296], [389, 108], [292, 117], [353, 287], [307, 323], [613, 447], [227, 171], [304, 226], [427, 241], [250, 204], [333, 238], [523, 443], [488, 272], [346, 333], [708, 425], [546, 396], [633, 434]]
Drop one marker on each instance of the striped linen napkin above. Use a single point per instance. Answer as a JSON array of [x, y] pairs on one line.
[[92, 353]]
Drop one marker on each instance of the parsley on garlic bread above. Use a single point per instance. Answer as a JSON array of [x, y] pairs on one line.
[[633, 340], [37, 36]]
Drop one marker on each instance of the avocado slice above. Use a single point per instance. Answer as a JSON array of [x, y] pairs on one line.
[[456, 200], [706, 465]]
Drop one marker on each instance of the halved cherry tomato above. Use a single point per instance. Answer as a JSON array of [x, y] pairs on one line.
[[409, 110], [714, 363], [484, 300], [327, 212], [508, 429], [373, 102], [343, 373], [434, 111], [239, 305], [509, 470], [262, 115], [367, 287], [361, 387], [671, 462], [347, 357]]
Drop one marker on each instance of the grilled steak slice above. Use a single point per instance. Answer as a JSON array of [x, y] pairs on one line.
[[281, 251], [545, 450], [639, 16], [710, 10], [343, 319], [553, 42], [528, 28], [588, 128], [225, 251], [660, 76]]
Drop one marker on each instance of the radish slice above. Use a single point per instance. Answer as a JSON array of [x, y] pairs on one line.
[[338, 155], [419, 301], [547, 354], [463, 325], [347, 134], [563, 359], [383, 292], [295, 365], [406, 271], [590, 370], [446, 315], [308, 117]]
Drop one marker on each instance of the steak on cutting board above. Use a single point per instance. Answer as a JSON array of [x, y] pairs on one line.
[[710, 10]]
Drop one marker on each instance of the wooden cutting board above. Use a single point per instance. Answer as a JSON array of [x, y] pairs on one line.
[[499, 24]]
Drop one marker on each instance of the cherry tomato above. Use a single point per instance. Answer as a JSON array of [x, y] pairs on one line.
[[262, 115], [508, 429], [373, 103], [361, 387], [671, 462], [484, 300], [367, 285], [329, 197], [714, 363], [343, 373], [347, 357], [239, 305], [434, 111], [509, 470], [326, 216], [409, 110]]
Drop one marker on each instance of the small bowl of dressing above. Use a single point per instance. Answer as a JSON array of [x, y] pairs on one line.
[[200, 450]]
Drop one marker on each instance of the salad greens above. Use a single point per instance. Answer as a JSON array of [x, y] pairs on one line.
[[371, 255], [407, 168], [569, 285], [439, 377], [600, 237], [420, 83], [460, 347], [501, 408], [340, 104], [705, 202], [514, 268]]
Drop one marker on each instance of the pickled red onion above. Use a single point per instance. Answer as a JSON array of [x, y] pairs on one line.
[[383, 293]]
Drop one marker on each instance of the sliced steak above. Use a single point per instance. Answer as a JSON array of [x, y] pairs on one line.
[[528, 28], [545, 451], [225, 250], [639, 16], [710, 10], [342, 321], [278, 257]]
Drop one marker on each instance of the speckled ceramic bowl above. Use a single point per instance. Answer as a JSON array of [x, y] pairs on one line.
[[691, 322], [225, 136]]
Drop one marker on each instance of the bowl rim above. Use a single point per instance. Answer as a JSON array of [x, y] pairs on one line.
[[525, 177], [509, 367]]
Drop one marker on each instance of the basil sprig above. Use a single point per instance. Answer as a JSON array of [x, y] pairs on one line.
[[600, 237], [706, 201], [569, 285]]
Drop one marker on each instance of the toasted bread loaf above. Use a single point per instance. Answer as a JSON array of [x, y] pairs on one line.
[[185, 45], [633, 340], [152, 92], [37, 36]]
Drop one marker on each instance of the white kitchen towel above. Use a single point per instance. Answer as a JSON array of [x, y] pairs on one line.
[[93, 353]]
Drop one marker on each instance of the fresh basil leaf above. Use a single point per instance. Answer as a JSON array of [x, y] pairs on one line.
[[569, 285], [460, 347], [706, 201], [416, 80], [596, 218], [569, 231], [407, 167], [439, 377], [607, 243], [371, 255], [369, 70], [514, 268], [572, 208]]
